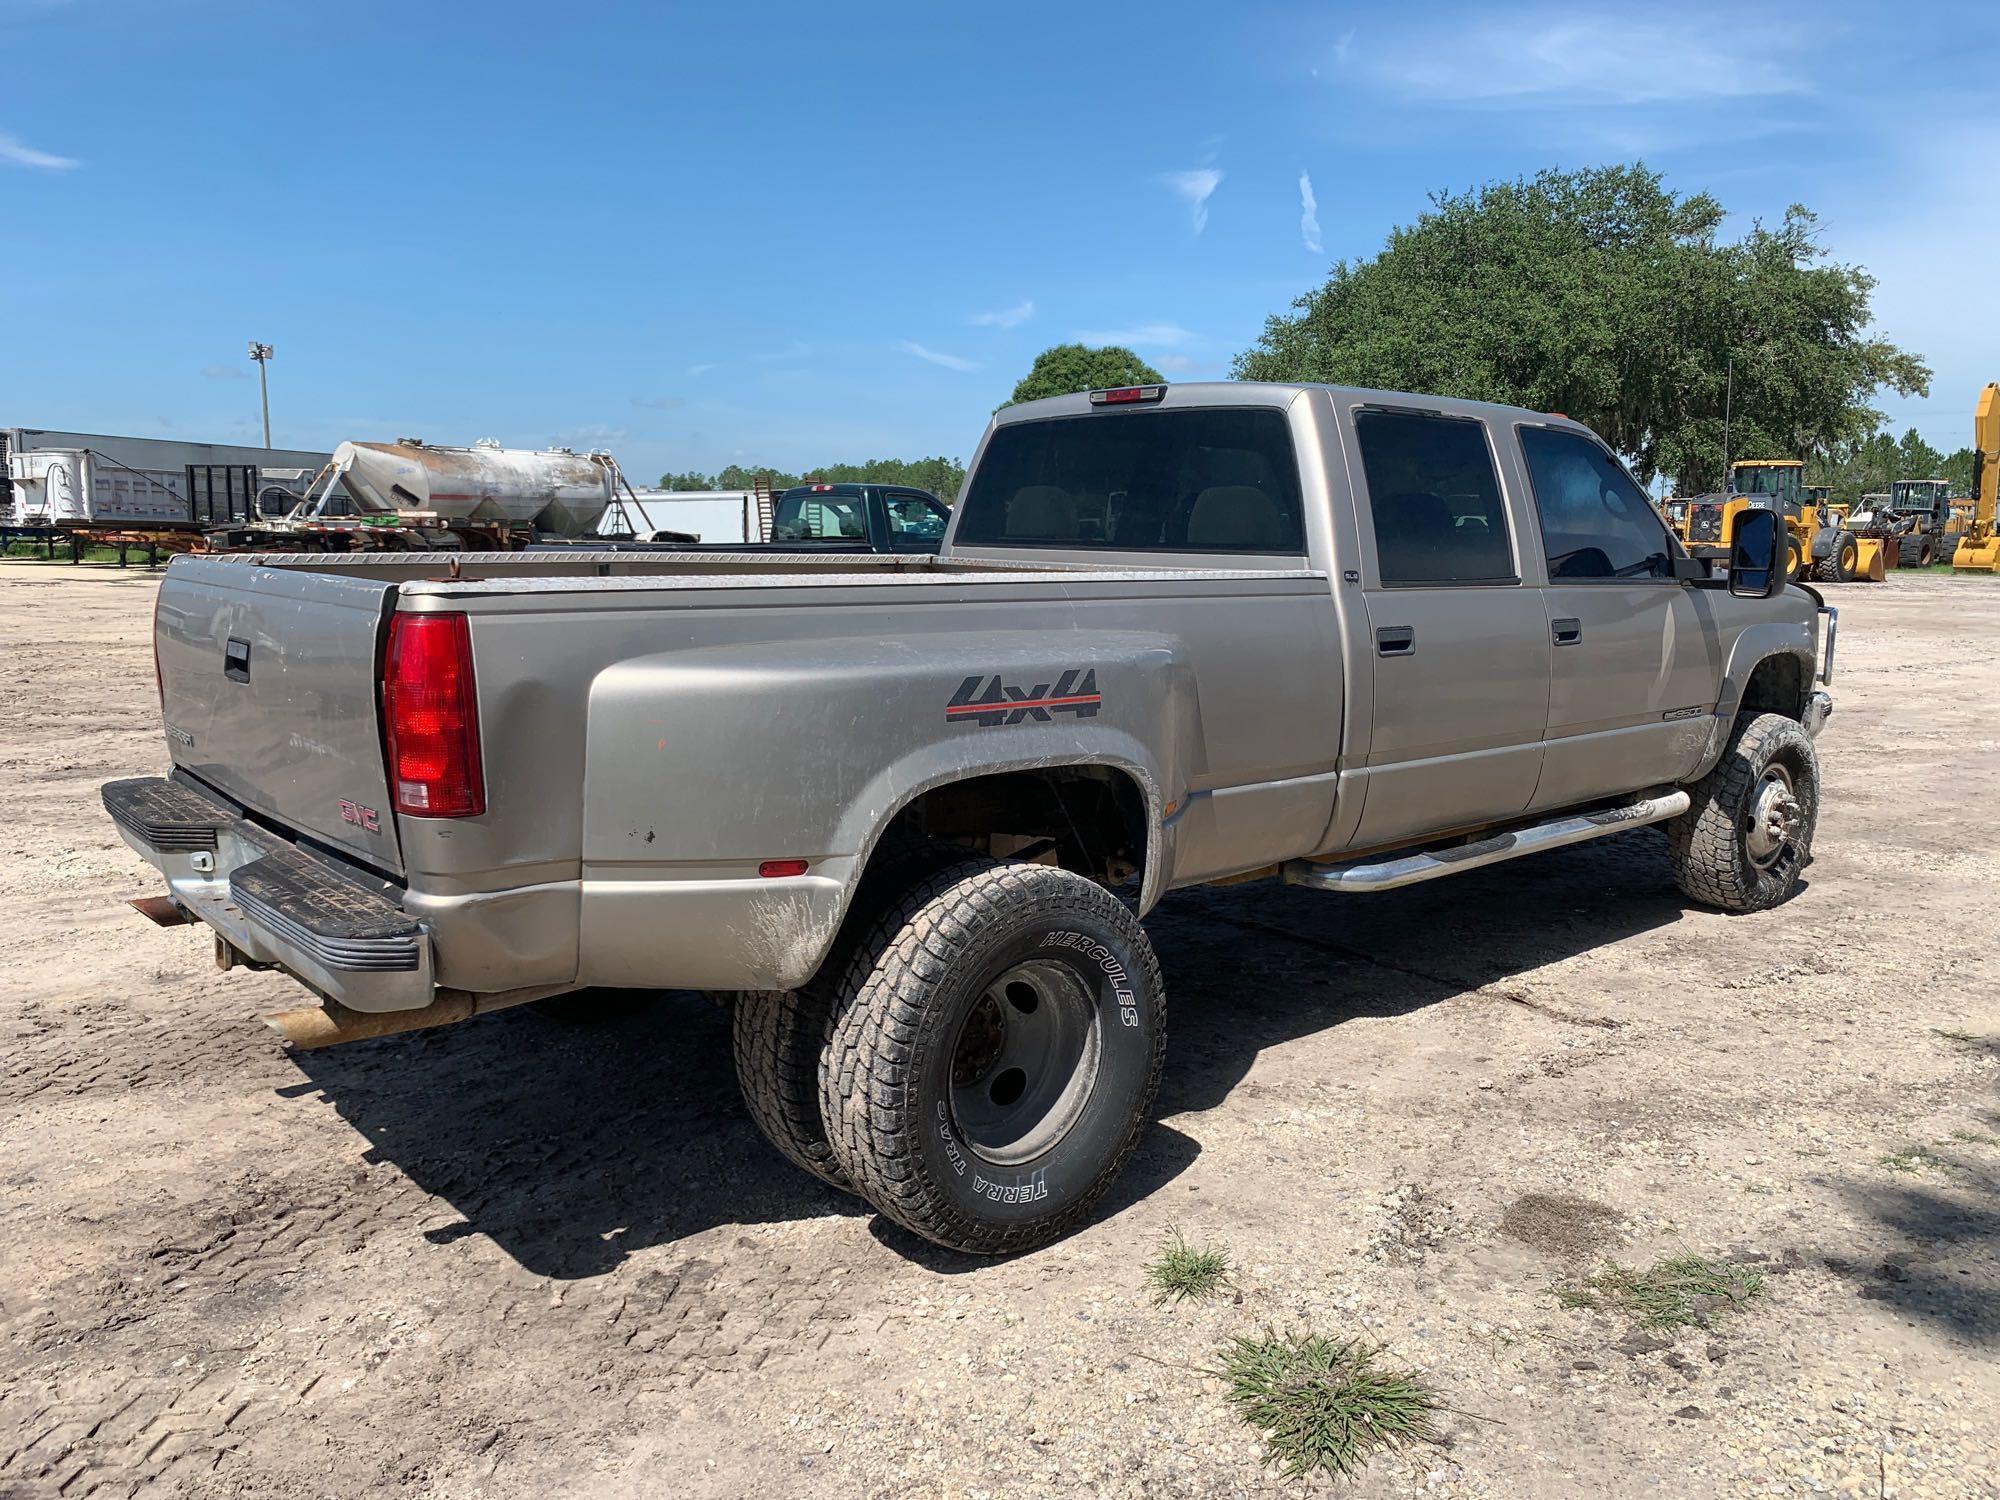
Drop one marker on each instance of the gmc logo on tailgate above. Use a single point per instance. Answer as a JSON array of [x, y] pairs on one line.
[[365, 818]]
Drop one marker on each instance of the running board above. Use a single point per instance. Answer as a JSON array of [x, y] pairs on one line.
[[1363, 876]]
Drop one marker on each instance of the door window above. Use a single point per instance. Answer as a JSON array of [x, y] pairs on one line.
[[1596, 523], [917, 517], [1435, 499]]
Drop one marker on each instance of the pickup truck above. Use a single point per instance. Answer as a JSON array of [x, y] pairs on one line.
[[906, 813]]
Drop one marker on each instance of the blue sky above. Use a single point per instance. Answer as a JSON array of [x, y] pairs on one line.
[[700, 233]]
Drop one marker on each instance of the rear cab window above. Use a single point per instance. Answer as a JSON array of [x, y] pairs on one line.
[[820, 515], [1196, 479]]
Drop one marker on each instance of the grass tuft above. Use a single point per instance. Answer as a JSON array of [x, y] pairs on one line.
[[1975, 1138], [1675, 1293], [1913, 1159], [1187, 1272], [1324, 1405]]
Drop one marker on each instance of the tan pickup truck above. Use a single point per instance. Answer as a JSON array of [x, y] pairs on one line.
[[910, 811]]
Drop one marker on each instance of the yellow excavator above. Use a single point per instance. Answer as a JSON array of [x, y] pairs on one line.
[[1979, 546]]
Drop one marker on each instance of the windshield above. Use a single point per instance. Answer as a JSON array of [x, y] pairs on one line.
[[1760, 479], [1208, 479], [819, 515]]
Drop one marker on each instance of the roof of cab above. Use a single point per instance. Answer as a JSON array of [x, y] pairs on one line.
[[1272, 393]]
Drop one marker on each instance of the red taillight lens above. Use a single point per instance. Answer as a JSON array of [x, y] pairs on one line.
[[431, 717]]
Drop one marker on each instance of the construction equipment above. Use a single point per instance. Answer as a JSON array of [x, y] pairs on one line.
[[1816, 541], [1926, 505], [1979, 547]]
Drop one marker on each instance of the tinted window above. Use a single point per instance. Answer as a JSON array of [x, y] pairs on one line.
[[1596, 523], [1434, 498], [1220, 479], [915, 516], [804, 515]]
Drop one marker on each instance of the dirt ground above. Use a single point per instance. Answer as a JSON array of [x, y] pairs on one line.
[[514, 1258]]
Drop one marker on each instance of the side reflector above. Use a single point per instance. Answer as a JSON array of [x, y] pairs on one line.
[[777, 869], [430, 717]]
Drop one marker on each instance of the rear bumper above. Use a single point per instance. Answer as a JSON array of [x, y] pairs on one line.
[[339, 932]]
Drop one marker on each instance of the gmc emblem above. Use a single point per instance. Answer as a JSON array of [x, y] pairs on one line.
[[365, 818]]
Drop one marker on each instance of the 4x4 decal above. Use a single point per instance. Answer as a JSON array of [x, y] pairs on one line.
[[988, 701]]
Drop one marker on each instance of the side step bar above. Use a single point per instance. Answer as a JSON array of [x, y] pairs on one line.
[[1364, 876]]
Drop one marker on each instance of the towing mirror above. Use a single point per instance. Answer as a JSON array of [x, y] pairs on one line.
[[1757, 555]]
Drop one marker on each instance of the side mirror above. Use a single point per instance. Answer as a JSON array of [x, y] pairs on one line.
[[1757, 554]]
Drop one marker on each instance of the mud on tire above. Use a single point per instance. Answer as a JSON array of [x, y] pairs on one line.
[[995, 1054], [1747, 833]]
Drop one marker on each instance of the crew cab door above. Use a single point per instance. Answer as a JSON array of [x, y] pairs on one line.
[[1460, 646], [1637, 658]]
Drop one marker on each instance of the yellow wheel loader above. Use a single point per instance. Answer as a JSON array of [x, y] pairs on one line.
[[1818, 541], [1979, 546]]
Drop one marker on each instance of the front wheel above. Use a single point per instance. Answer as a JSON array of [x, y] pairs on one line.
[[1795, 563], [999, 1045], [1747, 833]]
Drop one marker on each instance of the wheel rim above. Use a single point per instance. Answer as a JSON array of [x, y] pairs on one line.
[[1025, 1062], [1771, 827]]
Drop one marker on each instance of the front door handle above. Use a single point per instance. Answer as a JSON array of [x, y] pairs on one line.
[[1566, 632], [1396, 640]]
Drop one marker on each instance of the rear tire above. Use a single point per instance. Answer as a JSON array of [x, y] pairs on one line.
[[779, 1036], [1747, 834], [996, 1055]]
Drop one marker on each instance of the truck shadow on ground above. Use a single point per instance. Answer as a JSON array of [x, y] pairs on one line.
[[572, 1147]]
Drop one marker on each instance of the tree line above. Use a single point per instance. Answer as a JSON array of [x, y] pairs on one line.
[[943, 477]]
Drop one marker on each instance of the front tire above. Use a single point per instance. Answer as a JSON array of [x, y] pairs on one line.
[[1747, 834], [1843, 558], [996, 1056]]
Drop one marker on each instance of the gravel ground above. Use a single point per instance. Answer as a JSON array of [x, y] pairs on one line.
[[514, 1258]]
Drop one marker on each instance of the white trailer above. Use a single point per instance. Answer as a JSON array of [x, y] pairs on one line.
[[705, 515]]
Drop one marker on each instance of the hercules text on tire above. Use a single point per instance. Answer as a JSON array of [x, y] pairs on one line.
[[998, 1050], [1747, 834]]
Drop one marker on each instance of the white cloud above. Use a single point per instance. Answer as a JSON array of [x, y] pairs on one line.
[[1144, 336], [660, 403], [13, 149], [949, 361], [699, 369], [1173, 364], [1309, 214], [1195, 187], [1343, 48], [1006, 317], [225, 372], [1607, 59]]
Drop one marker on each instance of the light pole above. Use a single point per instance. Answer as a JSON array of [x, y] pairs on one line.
[[262, 354]]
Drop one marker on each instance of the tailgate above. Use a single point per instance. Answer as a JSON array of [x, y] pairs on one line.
[[268, 676]]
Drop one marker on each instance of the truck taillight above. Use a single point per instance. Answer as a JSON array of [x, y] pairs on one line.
[[431, 718]]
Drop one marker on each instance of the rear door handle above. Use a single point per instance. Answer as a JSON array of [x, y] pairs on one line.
[[1396, 640], [236, 661], [1566, 632]]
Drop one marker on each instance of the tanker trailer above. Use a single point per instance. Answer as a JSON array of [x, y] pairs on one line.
[[485, 493]]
